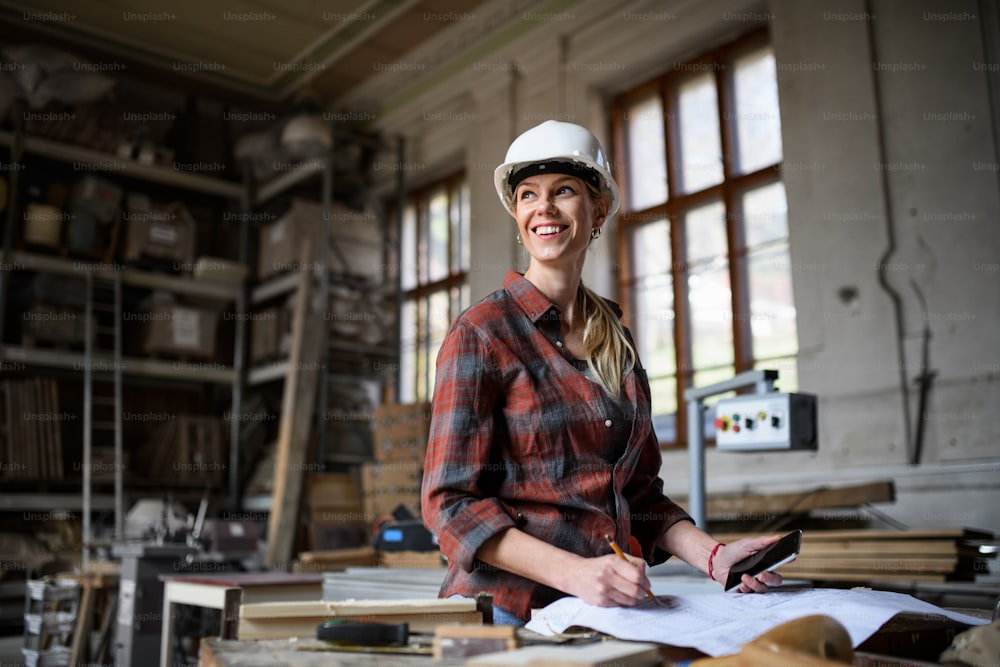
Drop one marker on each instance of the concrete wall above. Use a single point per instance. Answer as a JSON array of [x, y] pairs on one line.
[[890, 166]]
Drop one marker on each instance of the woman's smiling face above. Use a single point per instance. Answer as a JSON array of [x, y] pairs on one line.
[[555, 215]]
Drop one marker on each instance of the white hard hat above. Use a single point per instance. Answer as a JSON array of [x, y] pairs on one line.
[[556, 147]]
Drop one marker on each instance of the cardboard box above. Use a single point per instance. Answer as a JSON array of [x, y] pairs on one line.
[[401, 432], [334, 492], [167, 234], [265, 335], [388, 485], [383, 503], [181, 330], [280, 242]]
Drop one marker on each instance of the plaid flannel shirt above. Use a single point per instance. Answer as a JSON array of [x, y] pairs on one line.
[[521, 438]]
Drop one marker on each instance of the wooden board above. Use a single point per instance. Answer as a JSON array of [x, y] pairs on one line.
[[297, 410], [733, 507], [625, 654]]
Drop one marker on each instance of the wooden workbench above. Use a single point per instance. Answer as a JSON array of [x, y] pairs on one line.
[[217, 652]]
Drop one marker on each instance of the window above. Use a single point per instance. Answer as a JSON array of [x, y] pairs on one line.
[[706, 280], [435, 265]]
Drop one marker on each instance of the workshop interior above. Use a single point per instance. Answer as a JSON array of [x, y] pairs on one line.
[[235, 235]]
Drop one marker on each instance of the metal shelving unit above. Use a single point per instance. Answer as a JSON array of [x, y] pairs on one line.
[[102, 364]]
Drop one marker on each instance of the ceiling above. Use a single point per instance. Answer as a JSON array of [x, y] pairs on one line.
[[268, 50]]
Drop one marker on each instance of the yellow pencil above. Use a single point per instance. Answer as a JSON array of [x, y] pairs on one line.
[[621, 554]]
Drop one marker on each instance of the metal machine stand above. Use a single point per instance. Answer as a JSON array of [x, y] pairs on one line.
[[762, 381]]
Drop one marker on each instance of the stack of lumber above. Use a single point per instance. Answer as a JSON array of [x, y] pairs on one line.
[[928, 555], [31, 428], [273, 620]]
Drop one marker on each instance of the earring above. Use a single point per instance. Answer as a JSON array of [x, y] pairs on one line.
[[519, 240], [595, 233]]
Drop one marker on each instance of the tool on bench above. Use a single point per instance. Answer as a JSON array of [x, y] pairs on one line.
[[364, 634]]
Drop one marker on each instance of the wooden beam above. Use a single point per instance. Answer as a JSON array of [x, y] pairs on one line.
[[298, 403], [733, 508]]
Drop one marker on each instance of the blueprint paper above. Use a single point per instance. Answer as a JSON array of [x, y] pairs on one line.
[[719, 624]]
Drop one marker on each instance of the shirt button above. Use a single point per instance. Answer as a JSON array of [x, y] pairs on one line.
[[607, 422], [559, 343]]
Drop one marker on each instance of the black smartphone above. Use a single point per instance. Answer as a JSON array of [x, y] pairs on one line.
[[770, 558]]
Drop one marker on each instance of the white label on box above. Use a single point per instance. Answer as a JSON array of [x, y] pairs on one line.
[[278, 231], [162, 234], [126, 602], [185, 328]]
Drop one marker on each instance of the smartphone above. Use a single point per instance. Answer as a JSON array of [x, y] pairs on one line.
[[765, 560]]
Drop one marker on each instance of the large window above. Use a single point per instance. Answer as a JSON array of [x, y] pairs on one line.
[[707, 277], [435, 266]]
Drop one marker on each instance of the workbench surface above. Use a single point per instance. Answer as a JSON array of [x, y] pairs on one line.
[[217, 652]]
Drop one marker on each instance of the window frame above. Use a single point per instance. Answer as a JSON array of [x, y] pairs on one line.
[[425, 288], [719, 61]]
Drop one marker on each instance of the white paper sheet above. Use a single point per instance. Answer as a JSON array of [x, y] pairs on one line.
[[719, 624]]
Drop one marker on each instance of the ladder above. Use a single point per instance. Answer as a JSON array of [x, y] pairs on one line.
[[102, 415]]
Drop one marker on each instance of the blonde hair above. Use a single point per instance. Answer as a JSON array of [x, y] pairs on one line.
[[610, 354]]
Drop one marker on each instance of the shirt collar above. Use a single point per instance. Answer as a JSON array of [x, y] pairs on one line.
[[528, 297]]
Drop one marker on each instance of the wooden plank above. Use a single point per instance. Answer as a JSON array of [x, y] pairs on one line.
[[733, 507], [305, 626], [877, 548], [277, 610], [873, 566], [863, 577], [298, 404], [809, 536]]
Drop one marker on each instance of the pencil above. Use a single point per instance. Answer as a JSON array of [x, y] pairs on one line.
[[621, 554]]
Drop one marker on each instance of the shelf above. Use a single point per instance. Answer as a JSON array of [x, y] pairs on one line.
[[276, 370], [106, 162], [205, 371], [299, 172], [129, 276], [276, 286], [53, 503]]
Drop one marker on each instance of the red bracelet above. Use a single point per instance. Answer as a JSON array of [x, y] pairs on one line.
[[711, 557]]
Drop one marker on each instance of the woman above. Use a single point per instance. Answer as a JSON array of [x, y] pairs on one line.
[[541, 440]]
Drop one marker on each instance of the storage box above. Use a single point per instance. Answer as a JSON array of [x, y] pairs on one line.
[[180, 330], [219, 271], [167, 234], [388, 485], [265, 335], [334, 492], [43, 225], [280, 244], [401, 432]]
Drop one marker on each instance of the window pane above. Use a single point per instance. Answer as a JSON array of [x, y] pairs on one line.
[[758, 118], [439, 225], [664, 400], [647, 164], [408, 352], [765, 215], [650, 248], [711, 376], [700, 140], [772, 307], [653, 324], [709, 291], [705, 229], [408, 241], [438, 321]]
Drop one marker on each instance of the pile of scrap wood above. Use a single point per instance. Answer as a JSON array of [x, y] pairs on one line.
[[930, 555]]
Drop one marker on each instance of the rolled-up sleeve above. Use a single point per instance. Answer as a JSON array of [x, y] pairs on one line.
[[454, 506], [652, 512]]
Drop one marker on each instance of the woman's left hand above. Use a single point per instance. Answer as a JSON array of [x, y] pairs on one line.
[[731, 554]]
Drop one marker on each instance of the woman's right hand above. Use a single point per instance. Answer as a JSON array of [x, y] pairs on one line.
[[609, 581]]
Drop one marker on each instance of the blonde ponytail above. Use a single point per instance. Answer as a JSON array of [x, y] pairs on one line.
[[610, 354]]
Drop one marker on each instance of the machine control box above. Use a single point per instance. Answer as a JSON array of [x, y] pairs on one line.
[[766, 422]]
